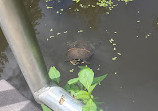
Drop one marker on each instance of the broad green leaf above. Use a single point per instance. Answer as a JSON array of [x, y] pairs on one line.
[[54, 74], [73, 81], [66, 87], [92, 87], [96, 80], [82, 95], [73, 88], [90, 106], [45, 108], [80, 85], [86, 76], [82, 67], [85, 101]]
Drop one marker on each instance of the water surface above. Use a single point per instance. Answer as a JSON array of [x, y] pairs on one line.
[[132, 81]]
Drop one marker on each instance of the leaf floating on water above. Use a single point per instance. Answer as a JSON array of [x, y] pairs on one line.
[[57, 12], [114, 58], [76, 1], [49, 7], [51, 36], [114, 44], [62, 9], [107, 13], [65, 32], [138, 21], [58, 33], [51, 30], [98, 69], [72, 70], [93, 6], [114, 48], [80, 31], [111, 40], [148, 35], [115, 73], [119, 53]]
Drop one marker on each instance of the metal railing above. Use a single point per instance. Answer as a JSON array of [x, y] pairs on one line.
[[22, 40]]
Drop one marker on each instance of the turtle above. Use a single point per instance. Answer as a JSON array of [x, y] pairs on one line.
[[79, 52]]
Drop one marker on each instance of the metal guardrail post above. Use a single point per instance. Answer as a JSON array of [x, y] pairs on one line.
[[21, 38]]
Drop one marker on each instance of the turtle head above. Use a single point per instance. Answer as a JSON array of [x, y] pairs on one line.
[[76, 61]]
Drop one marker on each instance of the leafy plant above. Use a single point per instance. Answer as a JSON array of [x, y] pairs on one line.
[[81, 87]]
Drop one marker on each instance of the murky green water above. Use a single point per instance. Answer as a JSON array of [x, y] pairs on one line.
[[132, 81]]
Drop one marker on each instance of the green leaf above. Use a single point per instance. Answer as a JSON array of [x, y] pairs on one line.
[[73, 89], [80, 85], [86, 76], [99, 79], [54, 75], [82, 95], [73, 81], [82, 67], [66, 87], [96, 81], [45, 108], [90, 106], [92, 87]]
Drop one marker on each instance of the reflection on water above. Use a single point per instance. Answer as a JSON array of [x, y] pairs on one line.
[[3, 47], [33, 11], [88, 11]]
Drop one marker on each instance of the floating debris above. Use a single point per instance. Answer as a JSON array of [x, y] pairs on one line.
[[47, 39], [58, 33], [62, 9], [138, 21], [138, 11], [72, 70], [98, 68], [49, 7], [148, 35], [137, 36], [80, 31], [57, 12], [107, 13], [48, 0], [51, 36], [119, 53], [115, 73], [111, 40], [51, 30], [114, 48], [65, 32], [114, 44], [77, 10], [114, 58], [115, 32], [93, 6]]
